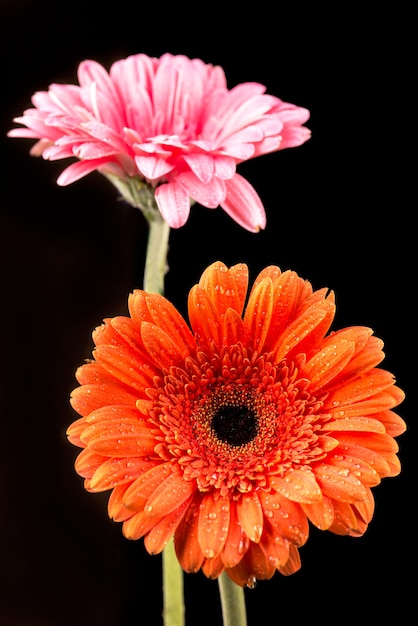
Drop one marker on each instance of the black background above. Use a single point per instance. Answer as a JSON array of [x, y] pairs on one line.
[[340, 212]]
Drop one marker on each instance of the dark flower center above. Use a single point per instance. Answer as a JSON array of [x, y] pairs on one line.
[[235, 425]]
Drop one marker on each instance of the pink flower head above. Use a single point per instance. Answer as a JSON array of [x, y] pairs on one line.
[[170, 122]]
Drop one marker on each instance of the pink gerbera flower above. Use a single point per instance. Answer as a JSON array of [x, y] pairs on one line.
[[168, 124]]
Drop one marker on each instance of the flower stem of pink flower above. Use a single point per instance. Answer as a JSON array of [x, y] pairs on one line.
[[141, 195], [156, 259]]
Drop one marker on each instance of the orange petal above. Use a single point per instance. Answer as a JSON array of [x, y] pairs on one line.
[[394, 425], [87, 463], [88, 398], [289, 291], [293, 563], [212, 568], [166, 317], [345, 520], [250, 515], [138, 525], [287, 517], [321, 514], [233, 329], [226, 287], [365, 509], [367, 355], [113, 472], [357, 466], [160, 534], [144, 486], [361, 454], [298, 330], [75, 430], [186, 542], [381, 443], [311, 340], [240, 574], [361, 388], [164, 350], [122, 439], [213, 527], [138, 308], [113, 413], [128, 330], [298, 486], [124, 365], [366, 424], [275, 547], [258, 313], [271, 271], [171, 493], [237, 543], [258, 564], [204, 319], [116, 509], [339, 484], [327, 363]]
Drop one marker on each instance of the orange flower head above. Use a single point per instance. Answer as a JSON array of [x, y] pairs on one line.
[[233, 432]]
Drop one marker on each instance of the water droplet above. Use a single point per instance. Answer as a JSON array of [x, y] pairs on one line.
[[241, 546], [212, 515], [274, 560], [209, 553], [268, 513], [251, 582], [148, 508]]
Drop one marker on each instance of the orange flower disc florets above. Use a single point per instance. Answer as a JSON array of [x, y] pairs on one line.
[[225, 414], [231, 434]]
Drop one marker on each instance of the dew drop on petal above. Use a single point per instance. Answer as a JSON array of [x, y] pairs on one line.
[[258, 529], [241, 546], [251, 582]]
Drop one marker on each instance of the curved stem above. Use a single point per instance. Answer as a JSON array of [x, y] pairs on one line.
[[233, 602]]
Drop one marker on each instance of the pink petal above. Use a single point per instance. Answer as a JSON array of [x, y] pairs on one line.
[[78, 170], [173, 203], [152, 167], [243, 204], [202, 165], [209, 195]]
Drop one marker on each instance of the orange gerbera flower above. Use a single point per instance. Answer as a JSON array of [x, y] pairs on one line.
[[232, 433]]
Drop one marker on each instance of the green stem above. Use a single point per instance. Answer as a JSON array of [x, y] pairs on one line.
[[140, 195], [157, 248], [233, 602], [173, 612]]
